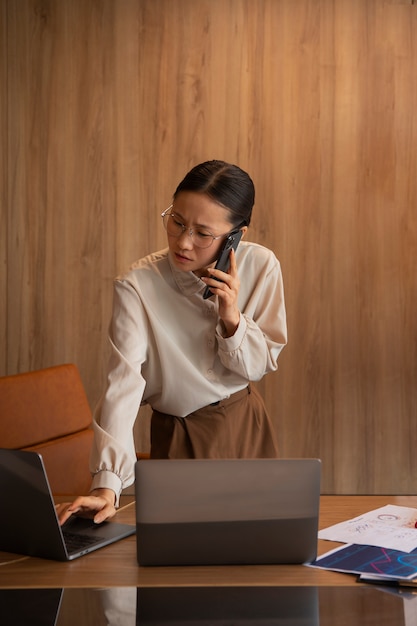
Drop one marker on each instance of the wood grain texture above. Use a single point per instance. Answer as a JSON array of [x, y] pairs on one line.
[[107, 104], [3, 185]]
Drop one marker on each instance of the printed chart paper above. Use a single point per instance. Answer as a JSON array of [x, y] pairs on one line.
[[381, 562], [391, 527]]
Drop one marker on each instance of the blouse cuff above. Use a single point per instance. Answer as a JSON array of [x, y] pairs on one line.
[[229, 344], [104, 479]]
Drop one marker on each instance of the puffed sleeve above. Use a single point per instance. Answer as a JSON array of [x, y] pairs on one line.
[[113, 454]]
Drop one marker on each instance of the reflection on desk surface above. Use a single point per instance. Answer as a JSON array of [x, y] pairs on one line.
[[203, 606]]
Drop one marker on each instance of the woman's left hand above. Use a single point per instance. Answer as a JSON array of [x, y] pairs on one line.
[[227, 291]]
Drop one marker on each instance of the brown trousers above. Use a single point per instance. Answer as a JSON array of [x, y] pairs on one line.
[[238, 427]]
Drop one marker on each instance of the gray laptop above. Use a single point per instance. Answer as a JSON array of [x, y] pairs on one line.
[[29, 523], [235, 511]]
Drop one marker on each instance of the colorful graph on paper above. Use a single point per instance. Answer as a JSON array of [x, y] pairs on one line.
[[361, 559]]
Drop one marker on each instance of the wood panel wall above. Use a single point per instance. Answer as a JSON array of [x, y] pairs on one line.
[[105, 104], [3, 187]]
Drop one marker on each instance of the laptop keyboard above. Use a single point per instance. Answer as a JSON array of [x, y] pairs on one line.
[[76, 542]]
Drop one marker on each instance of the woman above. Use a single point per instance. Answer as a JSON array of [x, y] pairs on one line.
[[191, 359]]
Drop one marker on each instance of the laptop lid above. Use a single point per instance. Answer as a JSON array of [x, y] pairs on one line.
[[29, 524], [227, 511]]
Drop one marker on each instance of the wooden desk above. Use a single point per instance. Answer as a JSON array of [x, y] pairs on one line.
[[116, 565]]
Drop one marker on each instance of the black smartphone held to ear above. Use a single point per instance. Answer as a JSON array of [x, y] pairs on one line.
[[223, 260]]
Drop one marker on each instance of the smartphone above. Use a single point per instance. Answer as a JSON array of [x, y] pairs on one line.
[[223, 260]]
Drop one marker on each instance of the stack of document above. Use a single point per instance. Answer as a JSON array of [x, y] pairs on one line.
[[381, 545]]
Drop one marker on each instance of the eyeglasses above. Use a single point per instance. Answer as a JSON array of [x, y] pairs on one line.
[[201, 237]]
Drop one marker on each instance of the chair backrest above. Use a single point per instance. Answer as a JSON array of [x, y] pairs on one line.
[[47, 411]]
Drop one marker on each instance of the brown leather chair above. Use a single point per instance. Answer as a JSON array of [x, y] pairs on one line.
[[47, 411]]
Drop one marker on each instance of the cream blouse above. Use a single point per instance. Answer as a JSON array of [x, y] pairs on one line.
[[167, 349]]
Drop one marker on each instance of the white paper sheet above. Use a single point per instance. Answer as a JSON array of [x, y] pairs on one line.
[[390, 526]]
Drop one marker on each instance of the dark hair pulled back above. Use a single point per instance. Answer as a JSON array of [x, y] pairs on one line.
[[224, 183]]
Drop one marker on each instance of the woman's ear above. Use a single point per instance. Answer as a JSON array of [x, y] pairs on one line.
[[244, 230]]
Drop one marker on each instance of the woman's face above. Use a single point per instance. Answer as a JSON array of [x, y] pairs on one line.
[[200, 213]]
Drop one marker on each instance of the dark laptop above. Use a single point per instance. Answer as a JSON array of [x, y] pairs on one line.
[[219, 512], [28, 521]]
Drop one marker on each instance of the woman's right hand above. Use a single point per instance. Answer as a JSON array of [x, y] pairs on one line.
[[98, 505]]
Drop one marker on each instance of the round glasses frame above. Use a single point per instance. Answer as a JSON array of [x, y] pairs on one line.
[[177, 229]]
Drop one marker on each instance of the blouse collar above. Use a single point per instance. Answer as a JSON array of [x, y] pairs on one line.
[[187, 282]]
